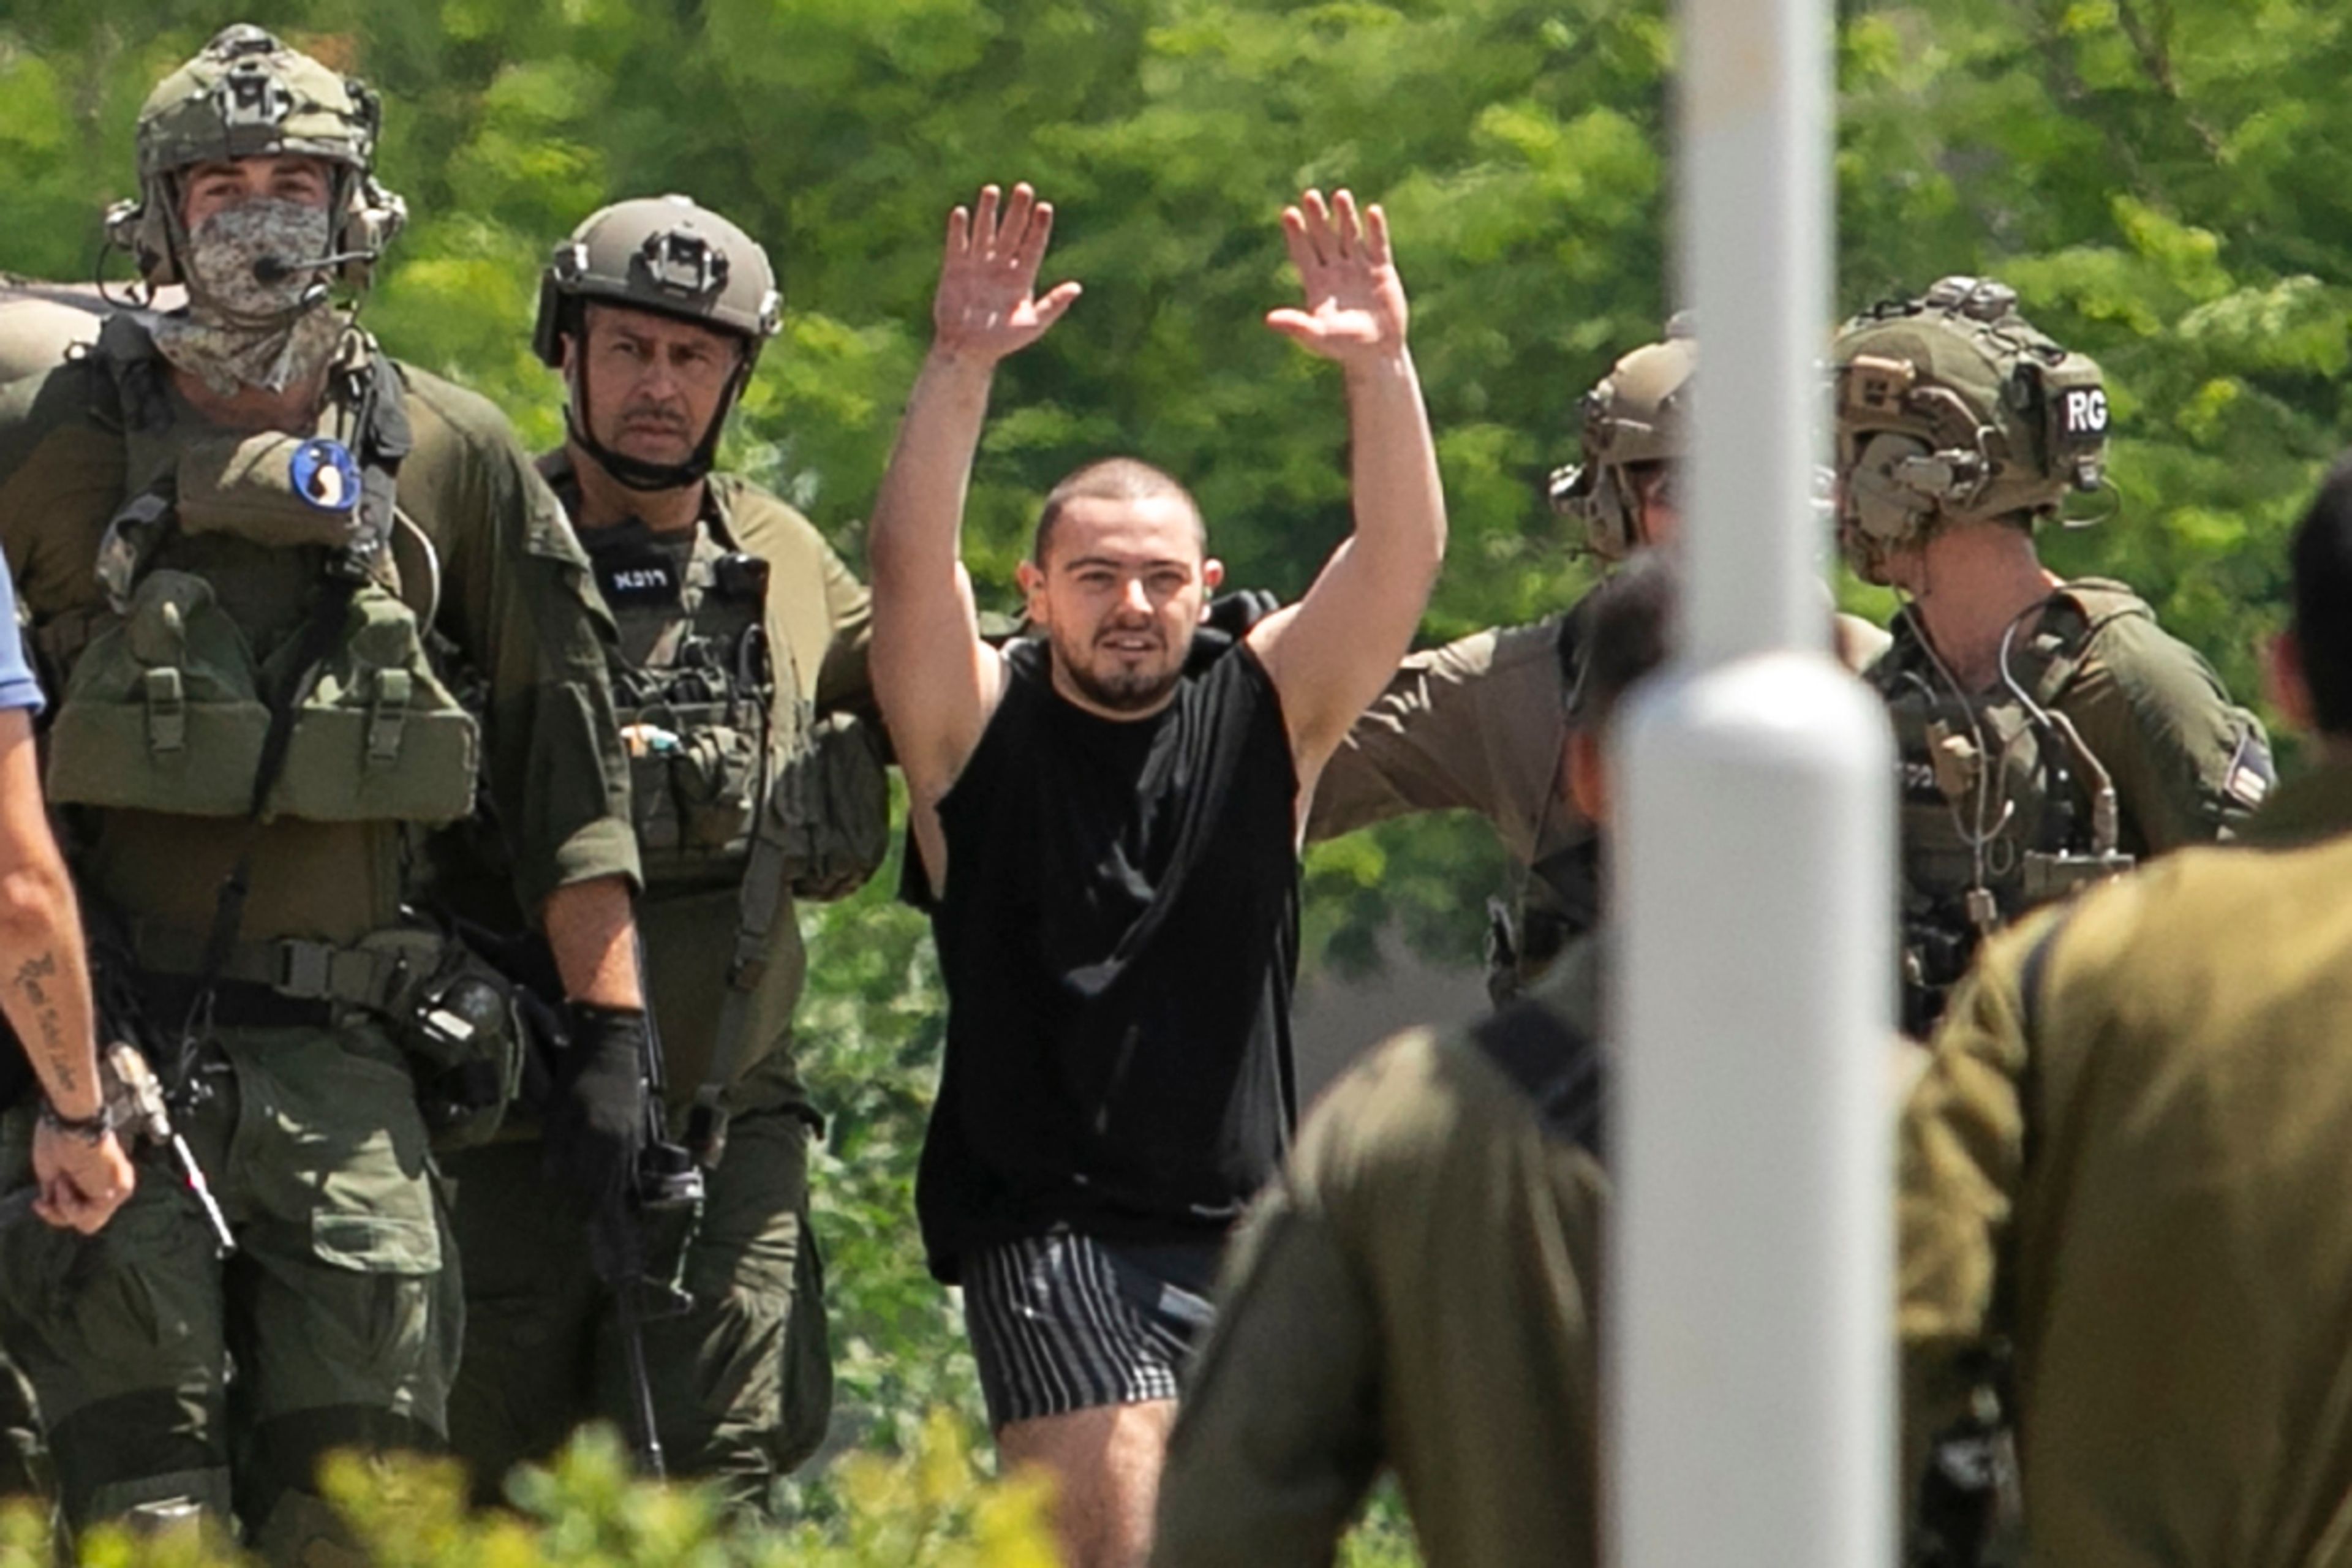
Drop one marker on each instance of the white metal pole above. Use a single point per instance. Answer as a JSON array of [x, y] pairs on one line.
[[1752, 1296]]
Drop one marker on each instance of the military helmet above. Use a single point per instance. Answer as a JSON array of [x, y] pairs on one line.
[[1638, 413], [663, 253], [674, 258], [1953, 407], [248, 95]]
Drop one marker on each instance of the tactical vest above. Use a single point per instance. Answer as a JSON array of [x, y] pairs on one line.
[[2002, 808], [694, 686], [721, 799], [262, 656], [247, 572]]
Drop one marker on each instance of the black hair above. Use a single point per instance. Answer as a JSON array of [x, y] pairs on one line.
[[1113, 478], [1620, 632], [2321, 558]]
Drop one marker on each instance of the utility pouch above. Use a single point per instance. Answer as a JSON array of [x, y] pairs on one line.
[[460, 1027], [693, 782], [163, 711], [378, 736], [831, 809], [715, 771]]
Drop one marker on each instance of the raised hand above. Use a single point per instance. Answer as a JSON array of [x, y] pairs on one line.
[[987, 306], [1355, 309]]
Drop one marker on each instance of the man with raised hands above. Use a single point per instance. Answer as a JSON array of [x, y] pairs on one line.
[[1106, 819]]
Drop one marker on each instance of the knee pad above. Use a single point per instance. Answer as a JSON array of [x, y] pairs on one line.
[[138, 1452]]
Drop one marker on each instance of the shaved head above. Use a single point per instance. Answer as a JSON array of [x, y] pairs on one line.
[[1114, 479]]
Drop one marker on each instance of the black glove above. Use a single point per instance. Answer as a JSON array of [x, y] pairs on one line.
[[594, 1125], [1235, 613]]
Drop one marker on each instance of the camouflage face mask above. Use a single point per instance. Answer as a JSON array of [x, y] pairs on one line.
[[240, 330]]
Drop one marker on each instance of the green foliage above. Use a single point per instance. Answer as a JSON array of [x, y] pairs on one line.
[[869, 1032], [2164, 181], [2161, 183], [931, 1508]]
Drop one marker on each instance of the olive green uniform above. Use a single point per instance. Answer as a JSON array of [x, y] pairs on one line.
[[2128, 1159], [742, 1382], [340, 1311], [1478, 725], [1416, 1291], [2186, 765]]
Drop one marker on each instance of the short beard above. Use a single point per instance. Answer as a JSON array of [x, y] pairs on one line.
[[1137, 693]]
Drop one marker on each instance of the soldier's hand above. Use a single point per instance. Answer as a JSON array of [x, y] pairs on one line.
[[1355, 307], [594, 1125], [987, 306], [82, 1182]]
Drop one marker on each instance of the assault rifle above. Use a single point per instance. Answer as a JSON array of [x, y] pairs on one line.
[[637, 1248], [636, 1243]]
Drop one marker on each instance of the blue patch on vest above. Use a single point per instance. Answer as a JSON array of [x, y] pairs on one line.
[[325, 474]]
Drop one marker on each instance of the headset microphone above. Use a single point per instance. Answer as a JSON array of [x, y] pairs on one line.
[[276, 268]]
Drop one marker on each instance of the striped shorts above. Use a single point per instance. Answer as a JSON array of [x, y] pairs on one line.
[[1065, 1323]]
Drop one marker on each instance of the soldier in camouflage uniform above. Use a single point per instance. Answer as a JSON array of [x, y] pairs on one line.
[[2127, 1160], [2050, 732], [1476, 725], [742, 648], [201, 516]]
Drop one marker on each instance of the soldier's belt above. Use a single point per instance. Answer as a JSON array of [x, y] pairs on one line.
[[372, 977]]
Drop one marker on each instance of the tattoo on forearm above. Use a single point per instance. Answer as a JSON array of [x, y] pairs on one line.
[[30, 975]]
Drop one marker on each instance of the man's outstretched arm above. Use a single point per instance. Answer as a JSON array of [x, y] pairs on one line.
[[936, 680], [1336, 649]]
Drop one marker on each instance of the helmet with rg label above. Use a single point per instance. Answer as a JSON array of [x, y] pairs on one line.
[[248, 95], [676, 258], [1951, 408], [1637, 416]]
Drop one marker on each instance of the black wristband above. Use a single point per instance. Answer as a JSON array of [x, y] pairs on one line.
[[92, 1128]]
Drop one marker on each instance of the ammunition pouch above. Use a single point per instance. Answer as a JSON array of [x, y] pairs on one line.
[[694, 783], [166, 713], [461, 1025], [831, 809]]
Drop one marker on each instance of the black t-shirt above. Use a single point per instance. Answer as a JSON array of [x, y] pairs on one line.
[[1118, 937]]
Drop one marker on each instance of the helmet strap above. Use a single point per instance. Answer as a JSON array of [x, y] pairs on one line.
[[636, 473]]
